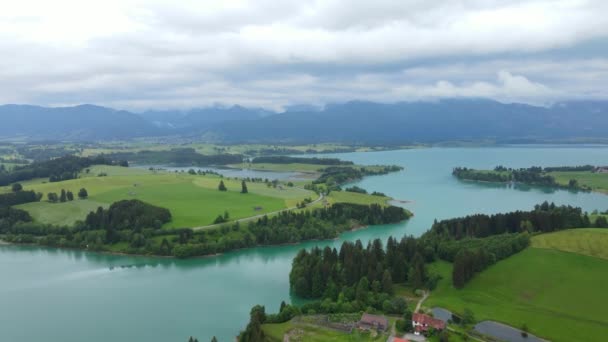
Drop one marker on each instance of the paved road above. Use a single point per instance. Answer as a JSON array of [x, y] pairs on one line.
[[321, 197]]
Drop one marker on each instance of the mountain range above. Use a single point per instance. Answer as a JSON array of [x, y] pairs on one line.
[[351, 122]]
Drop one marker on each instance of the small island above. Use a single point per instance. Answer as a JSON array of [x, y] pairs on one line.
[[578, 178]]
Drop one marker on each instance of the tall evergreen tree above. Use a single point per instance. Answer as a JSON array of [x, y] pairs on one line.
[[222, 187], [244, 187], [387, 282], [63, 196]]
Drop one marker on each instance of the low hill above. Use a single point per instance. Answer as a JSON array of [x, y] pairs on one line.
[[353, 122], [407, 122], [200, 119]]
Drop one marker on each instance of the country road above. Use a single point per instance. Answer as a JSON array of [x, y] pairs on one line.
[[245, 219]]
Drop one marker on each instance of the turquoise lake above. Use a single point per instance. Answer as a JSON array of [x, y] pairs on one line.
[[68, 296]]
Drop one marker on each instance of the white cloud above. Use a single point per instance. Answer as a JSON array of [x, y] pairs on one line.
[[136, 53]]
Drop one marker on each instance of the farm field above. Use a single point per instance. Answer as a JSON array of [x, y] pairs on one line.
[[595, 181], [558, 295], [192, 199]]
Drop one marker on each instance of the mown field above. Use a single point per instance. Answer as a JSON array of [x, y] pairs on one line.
[[595, 181], [192, 199], [558, 295]]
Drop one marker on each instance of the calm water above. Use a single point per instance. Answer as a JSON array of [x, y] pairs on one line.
[[53, 295]]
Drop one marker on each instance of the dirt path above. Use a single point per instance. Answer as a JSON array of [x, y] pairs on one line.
[[424, 297], [245, 219]]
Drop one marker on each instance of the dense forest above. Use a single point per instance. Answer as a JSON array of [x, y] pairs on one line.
[[356, 269], [545, 217], [58, 169], [471, 256], [534, 175], [300, 160], [177, 156], [128, 214]]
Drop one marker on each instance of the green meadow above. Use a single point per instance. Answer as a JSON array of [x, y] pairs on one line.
[[591, 241], [192, 199], [558, 295], [595, 181], [354, 197]]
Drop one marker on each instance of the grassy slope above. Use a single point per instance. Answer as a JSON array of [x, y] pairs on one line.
[[591, 241], [559, 295], [596, 181], [193, 200]]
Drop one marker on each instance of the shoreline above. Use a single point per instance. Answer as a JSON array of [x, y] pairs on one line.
[[351, 229]]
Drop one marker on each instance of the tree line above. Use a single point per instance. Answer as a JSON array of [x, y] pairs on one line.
[[19, 197], [545, 217], [59, 169], [469, 260], [178, 156]]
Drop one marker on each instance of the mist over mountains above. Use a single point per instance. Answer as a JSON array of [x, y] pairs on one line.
[[351, 122]]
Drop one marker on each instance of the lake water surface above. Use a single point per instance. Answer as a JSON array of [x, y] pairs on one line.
[[58, 295]]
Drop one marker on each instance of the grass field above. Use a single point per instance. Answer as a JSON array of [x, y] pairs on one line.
[[559, 295], [591, 241], [62, 213], [354, 197], [193, 200], [312, 333], [595, 181]]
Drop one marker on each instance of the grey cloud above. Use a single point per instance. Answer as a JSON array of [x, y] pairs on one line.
[[273, 54]]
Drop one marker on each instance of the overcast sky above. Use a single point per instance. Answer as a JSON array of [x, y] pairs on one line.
[[138, 55]]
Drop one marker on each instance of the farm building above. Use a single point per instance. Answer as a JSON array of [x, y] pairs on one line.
[[369, 322], [422, 323]]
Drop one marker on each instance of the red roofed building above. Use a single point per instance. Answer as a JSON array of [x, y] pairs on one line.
[[422, 323]]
